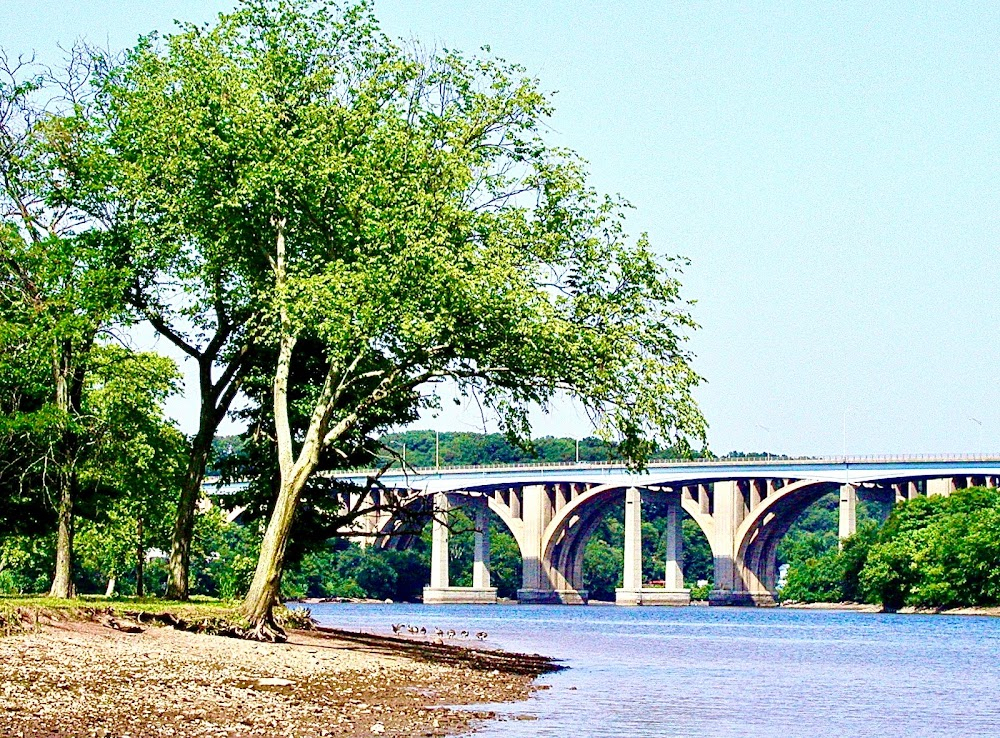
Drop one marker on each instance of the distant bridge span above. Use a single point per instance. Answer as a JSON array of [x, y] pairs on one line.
[[744, 507]]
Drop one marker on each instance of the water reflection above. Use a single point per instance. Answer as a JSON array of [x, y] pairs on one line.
[[725, 672]]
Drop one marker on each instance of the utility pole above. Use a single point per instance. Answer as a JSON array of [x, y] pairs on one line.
[[437, 451], [577, 450]]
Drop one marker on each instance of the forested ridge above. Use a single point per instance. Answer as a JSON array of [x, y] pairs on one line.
[[930, 552], [427, 448]]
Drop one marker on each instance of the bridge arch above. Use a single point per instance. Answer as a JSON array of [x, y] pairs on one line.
[[565, 537], [758, 536], [385, 538]]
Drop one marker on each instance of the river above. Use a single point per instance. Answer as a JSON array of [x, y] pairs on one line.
[[728, 672]]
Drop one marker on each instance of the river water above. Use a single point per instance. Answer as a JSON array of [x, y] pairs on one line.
[[728, 672]]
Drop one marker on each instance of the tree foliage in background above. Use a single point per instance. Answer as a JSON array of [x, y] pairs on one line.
[[423, 448], [60, 287], [136, 466], [932, 552], [127, 471]]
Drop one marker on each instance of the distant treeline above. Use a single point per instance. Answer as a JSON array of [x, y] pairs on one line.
[[425, 448]]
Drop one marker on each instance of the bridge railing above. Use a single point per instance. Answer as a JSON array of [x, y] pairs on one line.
[[668, 463]]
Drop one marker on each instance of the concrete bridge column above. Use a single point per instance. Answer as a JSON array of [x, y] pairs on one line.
[[440, 591], [536, 512], [481, 553], [439, 543], [632, 592], [940, 486], [848, 511], [673, 576], [728, 587], [632, 576]]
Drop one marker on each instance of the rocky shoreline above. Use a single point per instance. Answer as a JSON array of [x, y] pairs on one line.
[[92, 677]]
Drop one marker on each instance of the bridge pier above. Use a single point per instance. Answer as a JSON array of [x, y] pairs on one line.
[[440, 591], [536, 512], [727, 582], [942, 487], [632, 592], [673, 576], [481, 550]]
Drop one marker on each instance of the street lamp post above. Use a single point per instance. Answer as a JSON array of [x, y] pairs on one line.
[[979, 446], [767, 451], [845, 435]]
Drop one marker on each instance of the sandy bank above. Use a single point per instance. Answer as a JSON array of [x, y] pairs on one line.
[[85, 679], [861, 607]]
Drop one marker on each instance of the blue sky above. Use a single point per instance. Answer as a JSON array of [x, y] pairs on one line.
[[830, 169]]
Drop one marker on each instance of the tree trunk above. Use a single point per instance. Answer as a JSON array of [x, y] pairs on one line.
[[180, 547], [260, 600], [62, 582], [140, 559], [112, 583], [264, 590], [62, 370]]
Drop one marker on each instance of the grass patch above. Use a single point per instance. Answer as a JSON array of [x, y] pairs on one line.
[[195, 606], [11, 621], [19, 614]]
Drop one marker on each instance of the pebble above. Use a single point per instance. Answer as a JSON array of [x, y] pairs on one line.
[[88, 680], [274, 682]]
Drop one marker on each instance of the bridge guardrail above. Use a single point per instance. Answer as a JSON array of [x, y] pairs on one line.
[[666, 463]]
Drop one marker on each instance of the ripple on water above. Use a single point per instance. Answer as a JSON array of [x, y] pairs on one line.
[[727, 672]]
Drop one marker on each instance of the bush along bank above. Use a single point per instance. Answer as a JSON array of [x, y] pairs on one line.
[[931, 553]]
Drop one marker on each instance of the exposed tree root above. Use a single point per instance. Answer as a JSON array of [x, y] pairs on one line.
[[215, 625], [267, 630], [443, 653]]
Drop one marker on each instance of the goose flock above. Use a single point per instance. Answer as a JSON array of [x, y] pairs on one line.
[[404, 629]]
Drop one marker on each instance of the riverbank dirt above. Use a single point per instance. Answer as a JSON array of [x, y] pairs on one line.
[[85, 679]]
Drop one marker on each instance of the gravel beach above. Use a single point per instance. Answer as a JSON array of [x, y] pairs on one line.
[[81, 678]]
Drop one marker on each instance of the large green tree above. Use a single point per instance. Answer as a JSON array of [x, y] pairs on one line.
[[59, 285], [135, 462], [398, 210]]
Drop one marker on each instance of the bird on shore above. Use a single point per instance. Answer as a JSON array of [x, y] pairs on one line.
[[423, 631], [413, 630], [398, 627], [482, 635], [438, 632], [451, 632], [464, 634]]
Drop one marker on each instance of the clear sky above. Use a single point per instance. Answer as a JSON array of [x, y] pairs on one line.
[[831, 169]]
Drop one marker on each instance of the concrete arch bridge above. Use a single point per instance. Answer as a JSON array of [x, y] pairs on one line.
[[744, 507]]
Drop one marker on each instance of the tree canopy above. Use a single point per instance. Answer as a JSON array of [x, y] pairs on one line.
[[335, 223], [937, 551], [398, 210]]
